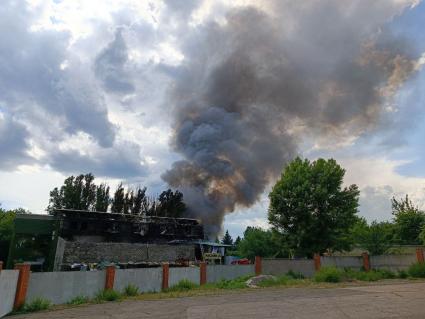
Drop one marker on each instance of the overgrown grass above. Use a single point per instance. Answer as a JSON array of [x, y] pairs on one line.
[[372, 275], [36, 304], [183, 285], [417, 270], [332, 274], [278, 281], [237, 283], [107, 295], [131, 290], [79, 300], [295, 275], [329, 274]]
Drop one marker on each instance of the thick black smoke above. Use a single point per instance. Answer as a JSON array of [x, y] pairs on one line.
[[252, 86]]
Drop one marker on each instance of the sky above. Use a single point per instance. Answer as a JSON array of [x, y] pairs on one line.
[[108, 86]]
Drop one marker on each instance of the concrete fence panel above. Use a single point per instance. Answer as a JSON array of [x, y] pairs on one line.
[[392, 262], [8, 282], [181, 273], [216, 273], [353, 262], [61, 287], [146, 279], [278, 267]]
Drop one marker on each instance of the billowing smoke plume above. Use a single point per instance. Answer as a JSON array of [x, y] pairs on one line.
[[252, 86]]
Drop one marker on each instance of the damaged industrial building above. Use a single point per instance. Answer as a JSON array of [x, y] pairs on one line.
[[68, 237]]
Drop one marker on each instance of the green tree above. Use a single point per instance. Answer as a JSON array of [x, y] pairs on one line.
[[76, 193], [408, 220], [140, 201], [128, 202], [102, 198], [227, 239], [6, 224], [311, 209], [119, 200], [237, 242], [171, 204], [257, 242], [376, 238]]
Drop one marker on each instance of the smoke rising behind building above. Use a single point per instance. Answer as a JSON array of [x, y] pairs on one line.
[[251, 88]]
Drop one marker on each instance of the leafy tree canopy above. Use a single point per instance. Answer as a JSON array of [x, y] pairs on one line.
[[257, 242], [171, 204], [6, 222], [310, 207], [81, 193], [376, 238], [408, 220]]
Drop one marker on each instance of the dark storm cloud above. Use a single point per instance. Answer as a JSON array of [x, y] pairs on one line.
[[246, 93], [32, 79], [111, 66], [122, 162], [14, 144]]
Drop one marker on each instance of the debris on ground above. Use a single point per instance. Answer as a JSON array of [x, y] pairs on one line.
[[254, 281]]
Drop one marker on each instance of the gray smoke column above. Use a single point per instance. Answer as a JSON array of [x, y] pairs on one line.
[[252, 87]]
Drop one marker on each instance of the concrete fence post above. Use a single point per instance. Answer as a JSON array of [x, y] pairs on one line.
[[258, 265], [110, 277], [165, 275], [420, 255], [366, 261], [317, 262], [22, 285], [202, 273]]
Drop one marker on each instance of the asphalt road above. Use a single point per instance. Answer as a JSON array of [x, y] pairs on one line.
[[405, 300]]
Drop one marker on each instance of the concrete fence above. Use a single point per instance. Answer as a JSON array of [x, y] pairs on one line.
[[8, 283], [279, 267], [62, 286], [307, 267], [342, 262], [20, 285]]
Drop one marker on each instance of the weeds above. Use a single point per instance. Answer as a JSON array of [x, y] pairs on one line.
[[278, 281], [183, 285], [36, 305], [107, 295], [403, 274], [329, 274], [131, 290], [237, 283], [79, 300], [295, 275], [417, 270]]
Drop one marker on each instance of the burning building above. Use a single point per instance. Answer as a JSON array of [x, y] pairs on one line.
[[67, 237]]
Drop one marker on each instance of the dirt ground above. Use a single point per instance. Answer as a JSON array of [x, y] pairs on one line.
[[396, 300]]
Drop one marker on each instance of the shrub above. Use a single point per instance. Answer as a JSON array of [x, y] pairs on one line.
[[329, 274], [131, 290], [183, 285], [36, 305], [372, 275], [417, 270], [79, 300], [295, 275], [107, 295], [387, 274], [402, 274]]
